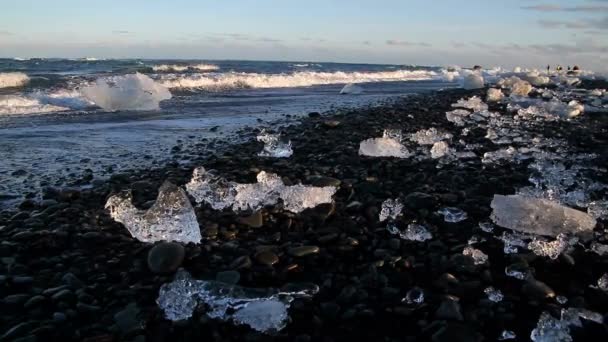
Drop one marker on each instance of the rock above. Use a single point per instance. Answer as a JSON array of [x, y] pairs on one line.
[[86, 308], [166, 257], [266, 258], [72, 281], [127, 319], [256, 220], [321, 181], [63, 295], [419, 200], [303, 251], [241, 262], [34, 301], [455, 332], [228, 277], [449, 309], [18, 330], [537, 290], [324, 210], [331, 123], [59, 316], [314, 114], [16, 299]]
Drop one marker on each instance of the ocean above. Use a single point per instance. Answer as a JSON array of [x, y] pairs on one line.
[[62, 118]]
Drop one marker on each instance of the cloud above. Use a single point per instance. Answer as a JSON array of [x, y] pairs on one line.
[[5, 33], [366, 42], [589, 24], [392, 42], [558, 8], [121, 32]]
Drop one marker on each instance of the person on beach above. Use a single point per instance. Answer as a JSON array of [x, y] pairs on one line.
[[548, 69]]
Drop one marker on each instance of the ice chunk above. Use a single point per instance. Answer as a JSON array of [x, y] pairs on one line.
[[597, 92], [171, 218], [413, 232], [129, 92], [551, 249], [494, 294], [473, 81], [474, 103], [494, 95], [394, 134], [264, 310], [429, 136], [538, 216], [599, 248], [453, 215], [509, 154], [572, 316], [550, 329], [440, 149], [13, 79], [512, 241], [507, 335], [457, 116], [561, 300], [383, 147], [414, 296], [351, 89], [521, 88], [479, 257], [205, 187], [602, 283], [513, 272], [486, 227], [274, 145], [390, 209]]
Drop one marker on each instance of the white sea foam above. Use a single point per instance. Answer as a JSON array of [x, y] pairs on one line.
[[15, 104], [235, 80], [129, 92], [13, 79], [182, 68]]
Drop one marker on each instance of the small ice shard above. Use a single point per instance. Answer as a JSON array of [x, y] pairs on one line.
[[572, 316], [429, 136], [599, 248], [394, 134], [561, 300], [414, 296], [475, 239], [479, 257], [486, 227], [602, 283], [453, 215], [598, 209], [390, 209], [473, 81], [474, 103], [508, 154], [387, 146], [413, 232], [206, 187], [494, 294], [171, 217], [597, 92], [521, 88], [264, 310], [440, 149], [512, 241], [550, 329], [538, 216], [507, 335], [494, 95], [274, 145], [513, 272], [457, 116], [352, 89], [551, 249]]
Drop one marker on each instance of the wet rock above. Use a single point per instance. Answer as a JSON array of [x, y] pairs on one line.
[[241, 262], [127, 319], [267, 258], [322, 181], [228, 277], [454, 332], [419, 200], [449, 309], [331, 123], [303, 251], [537, 289], [72, 281], [166, 257], [256, 220], [18, 330]]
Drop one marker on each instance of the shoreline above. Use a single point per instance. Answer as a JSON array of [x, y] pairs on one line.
[[362, 270]]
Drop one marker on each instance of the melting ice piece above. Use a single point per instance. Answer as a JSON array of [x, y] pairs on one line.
[[538, 216], [513, 272], [352, 89], [521, 88], [507, 335], [390, 209], [429, 136], [599, 248], [414, 296], [494, 95], [458, 116], [474, 103], [298, 197], [509, 154], [264, 310], [171, 218], [479, 257], [512, 241], [561, 300], [551, 249], [453, 215], [440, 149], [129, 92], [572, 316], [550, 329], [598, 209], [207, 187], [602, 283], [494, 294], [473, 81], [486, 227], [383, 147], [274, 145], [395, 134], [413, 232]]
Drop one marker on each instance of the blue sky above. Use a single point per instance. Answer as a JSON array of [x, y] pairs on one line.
[[437, 32]]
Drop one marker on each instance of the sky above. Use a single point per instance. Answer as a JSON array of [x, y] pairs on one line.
[[530, 33]]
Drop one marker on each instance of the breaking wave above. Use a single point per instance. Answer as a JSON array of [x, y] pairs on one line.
[[13, 79], [226, 81], [182, 68], [15, 104]]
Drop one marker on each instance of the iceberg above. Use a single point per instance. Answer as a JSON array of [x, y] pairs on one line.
[[538, 216], [264, 310], [274, 145], [171, 217]]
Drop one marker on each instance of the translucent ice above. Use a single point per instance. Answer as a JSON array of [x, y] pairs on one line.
[[521, 88], [429, 136], [171, 218], [457, 116], [551, 249], [598, 209], [513, 272], [390, 209], [205, 187], [507, 335], [413, 232], [274, 145], [474, 103], [486, 227], [414, 296], [494, 95], [538, 216], [561, 300], [602, 283], [351, 89], [440, 149], [394, 134], [550, 329], [479, 257], [264, 310], [494, 294], [473, 81], [512, 242], [509, 154], [453, 215], [383, 147], [599, 248]]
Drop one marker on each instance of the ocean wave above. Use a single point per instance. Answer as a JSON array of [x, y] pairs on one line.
[[13, 79], [16, 104], [182, 68], [232, 80]]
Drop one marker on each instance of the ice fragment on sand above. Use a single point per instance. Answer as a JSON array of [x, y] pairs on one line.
[[414, 296], [602, 283], [457, 116], [561, 300], [171, 218], [598, 209], [486, 227], [494, 95], [129, 92], [452, 215], [551, 249], [440, 149], [494, 294], [479, 257], [512, 241], [513, 272], [207, 188], [387, 146], [538, 216], [507, 335], [351, 89], [429, 136], [274, 145], [509, 154], [264, 310], [474, 103], [390, 209], [413, 232], [550, 329], [572, 316], [473, 81], [521, 88]]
